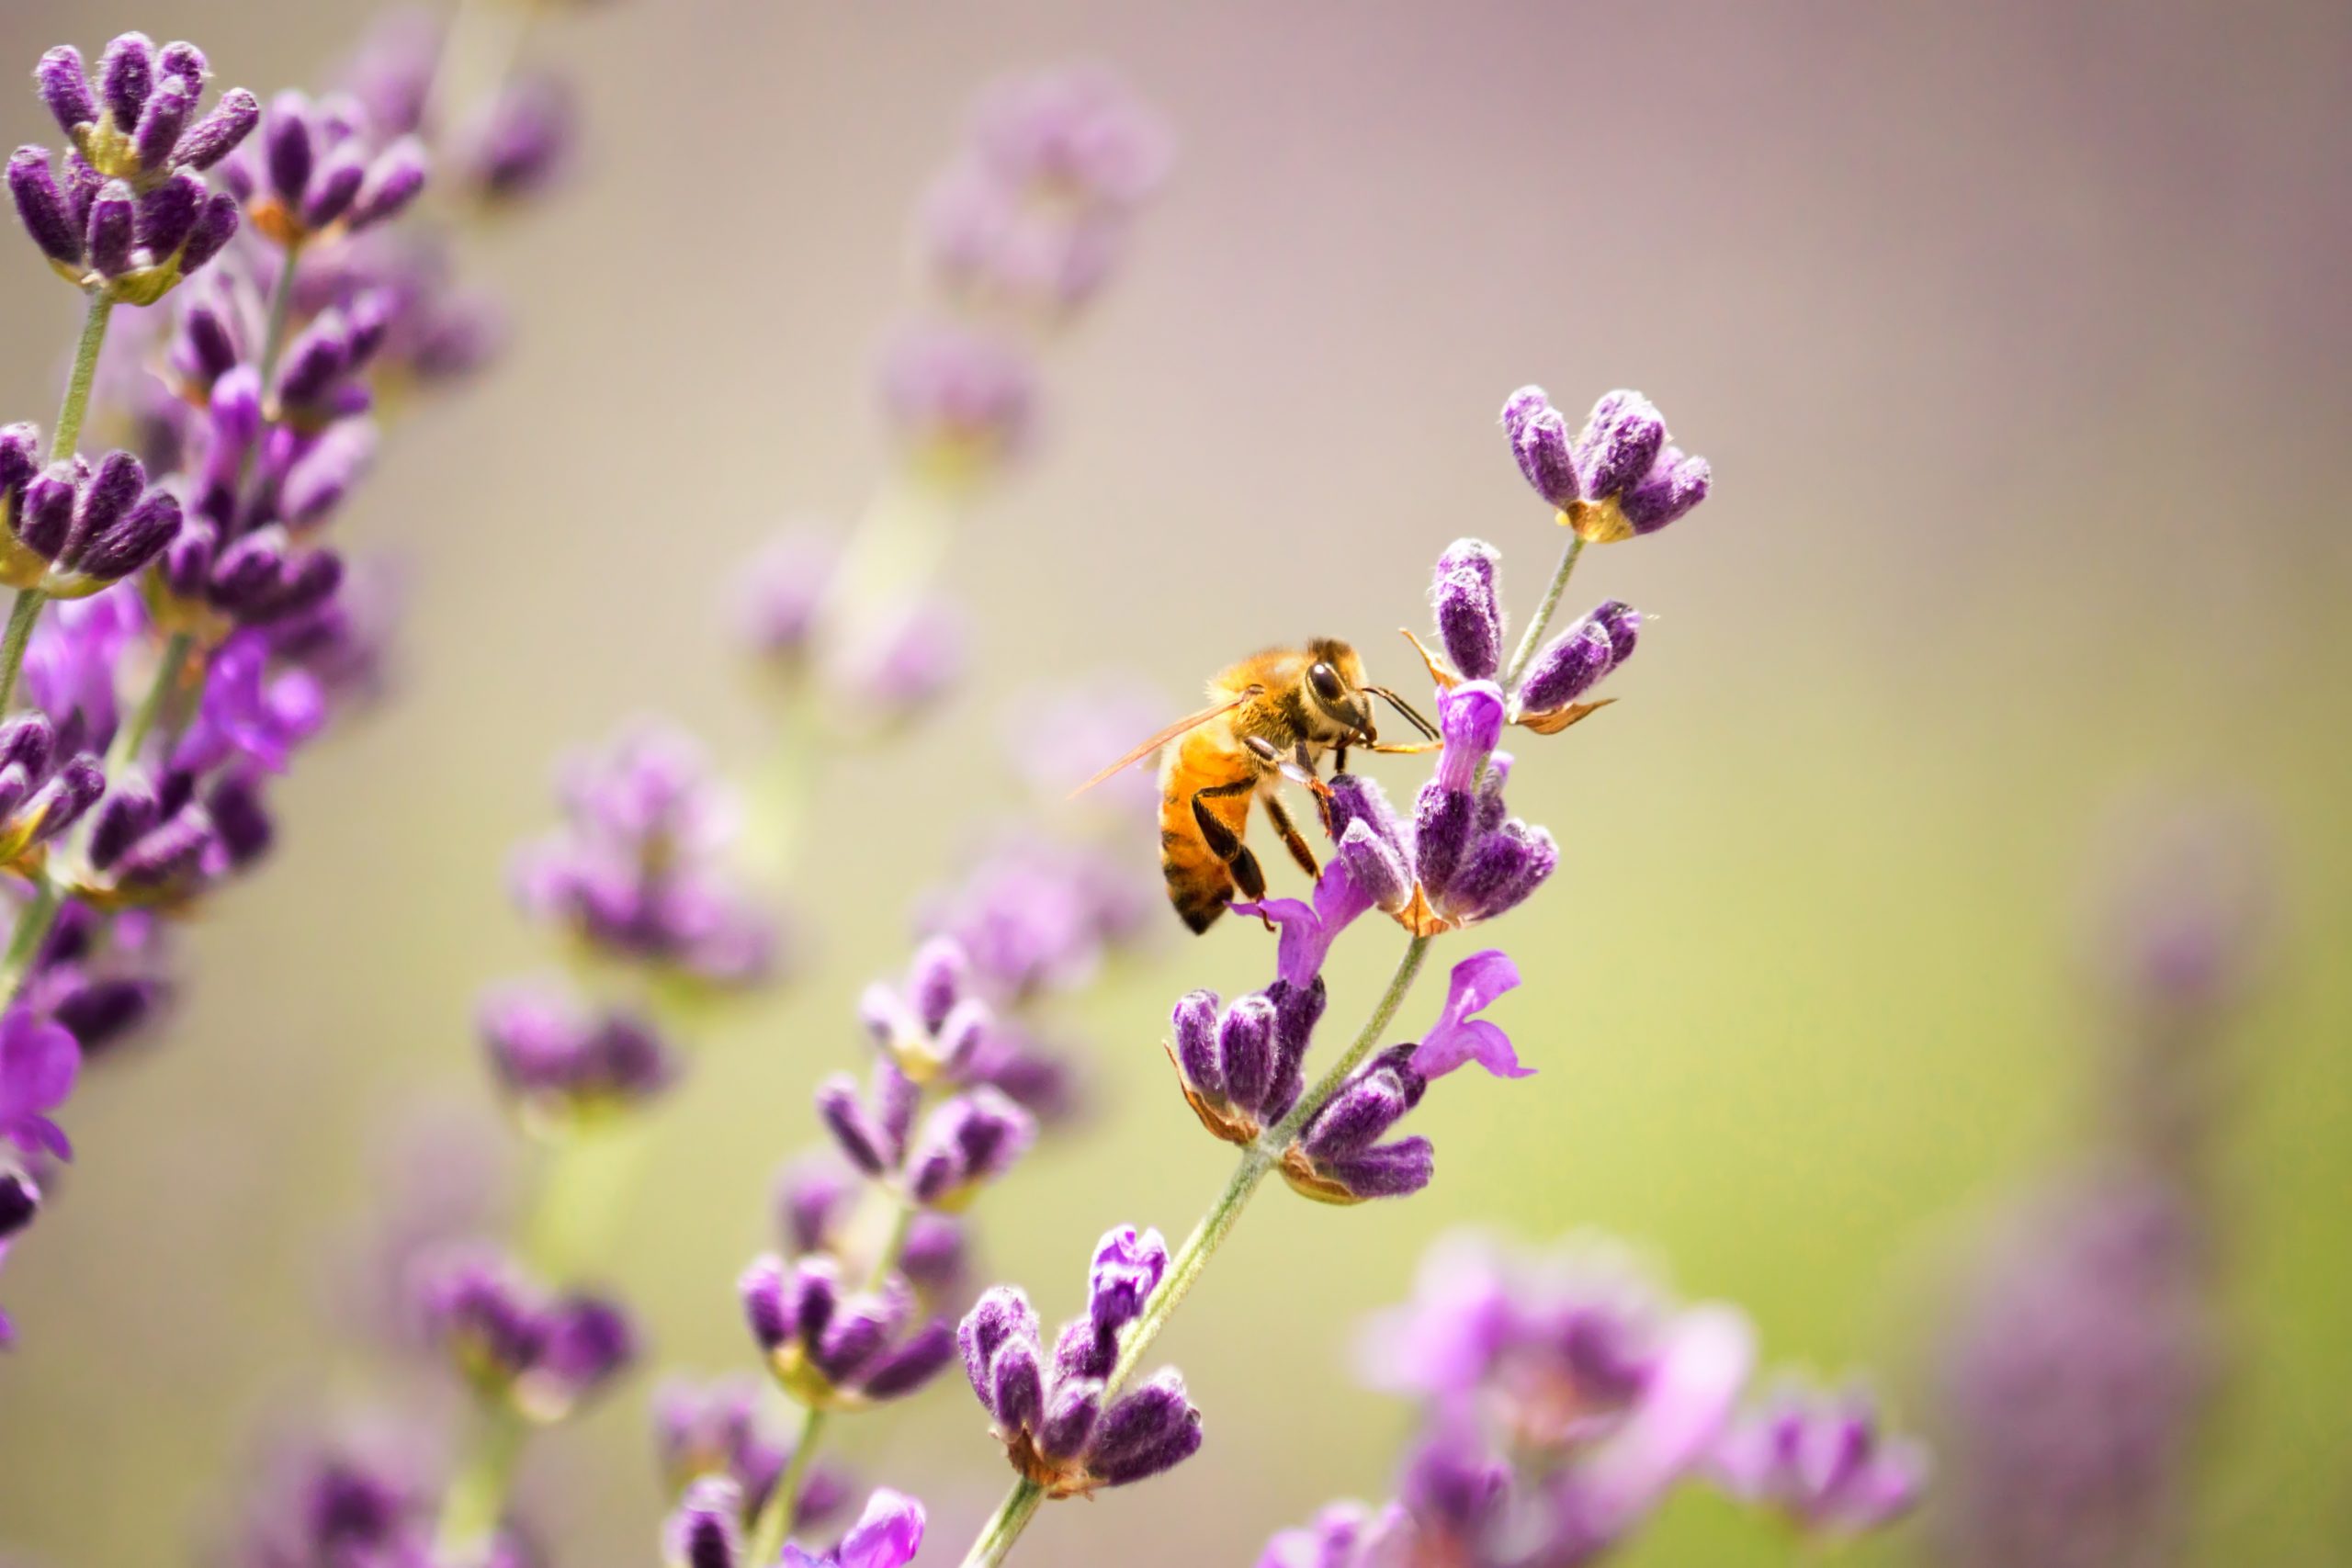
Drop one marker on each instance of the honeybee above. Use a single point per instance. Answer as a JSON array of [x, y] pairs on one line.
[[1272, 717]]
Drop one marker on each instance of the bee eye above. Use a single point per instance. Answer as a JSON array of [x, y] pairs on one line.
[[1326, 682]]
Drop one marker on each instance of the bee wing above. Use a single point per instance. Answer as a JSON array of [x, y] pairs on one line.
[[1181, 726]]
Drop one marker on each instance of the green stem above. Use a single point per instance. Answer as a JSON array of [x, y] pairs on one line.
[[776, 1514], [1012, 1517], [477, 1495], [1533, 636], [22, 616], [141, 723], [1192, 1260], [62, 439], [32, 927]]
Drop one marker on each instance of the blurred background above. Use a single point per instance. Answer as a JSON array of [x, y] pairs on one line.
[[2016, 336]]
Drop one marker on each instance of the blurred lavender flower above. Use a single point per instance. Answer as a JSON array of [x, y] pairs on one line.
[[718, 1429], [323, 168], [705, 1532], [331, 1500], [561, 1066], [632, 872], [75, 528], [784, 588], [39, 1060], [44, 789], [818, 1211], [1620, 476], [959, 401], [1035, 915], [899, 662], [1821, 1460], [832, 1348], [521, 142], [1063, 1429], [103, 979], [541, 1355]]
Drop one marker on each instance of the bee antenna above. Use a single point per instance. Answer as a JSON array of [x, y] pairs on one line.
[[1401, 706]]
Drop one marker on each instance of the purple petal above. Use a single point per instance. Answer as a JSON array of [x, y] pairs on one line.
[[1457, 1037]]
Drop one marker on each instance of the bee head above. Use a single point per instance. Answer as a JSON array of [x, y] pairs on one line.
[[1334, 687]]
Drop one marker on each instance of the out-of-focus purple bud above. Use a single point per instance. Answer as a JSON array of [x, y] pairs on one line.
[[219, 134], [395, 178], [1152, 1428], [315, 358], [1822, 1462], [706, 1530], [65, 88], [334, 185], [20, 1202], [321, 477], [45, 515], [970, 1140], [112, 232], [215, 227], [287, 147], [1469, 608], [125, 77], [141, 536], [41, 206], [523, 140]]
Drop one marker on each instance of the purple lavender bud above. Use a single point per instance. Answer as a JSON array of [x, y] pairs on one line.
[[1821, 1460], [321, 477], [219, 134], [1520, 407], [241, 817], [1507, 866], [314, 359], [250, 572], [1001, 1316], [938, 978], [915, 1363], [972, 1139], [188, 561], [215, 227], [588, 1343], [1196, 1025], [1623, 623], [334, 185], [45, 511], [19, 454], [1366, 1106], [394, 179], [160, 124], [705, 1531], [139, 538], [1469, 612], [1545, 458], [182, 62], [1379, 870], [1069, 1418], [167, 214], [27, 742], [119, 481], [1443, 823], [524, 139], [41, 208], [1152, 1428], [489, 1319], [1355, 797], [287, 147], [20, 1202], [63, 802], [1673, 487], [768, 1306], [1390, 1171], [236, 406], [126, 76], [65, 88], [82, 185], [112, 229], [1014, 1393], [1570, 665], [854, 1130], [850, 1330], [309, 581], [1620, 442], [1470, 718], [1128, 1266], [1245, 1044], [164, 859]]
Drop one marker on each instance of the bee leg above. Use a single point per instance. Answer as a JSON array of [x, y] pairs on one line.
[[1279, 814], [1339, 758], [1224, 844], [1299, 769]]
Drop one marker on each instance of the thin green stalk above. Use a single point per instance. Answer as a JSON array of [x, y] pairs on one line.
[[996, 1537], [1004, 1528], [32, 927], [1533, 636], [141, 723], [776, 1514], [68, 432], [22, 616], [477, 1495]]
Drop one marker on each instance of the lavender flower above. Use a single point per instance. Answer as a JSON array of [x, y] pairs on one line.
[[1468, 606], [1035, 915], [965, 1143], [559, 1067], [133, 216], [320, 171], [541, 1355], [1822, 1460], [1618, 478], [1605, 1393], [39, 1060], [899, 662], [1549, 698], [1241, 1070], [783, 591], [932, 1026], [832, 1348], [816, 1202], [1053, 1418], [705, 1532], [959, 401], [632, 875], [43, 789], [521, 141], [1347, 1535], [717, 1430], [74, 528], [1338, 1156]]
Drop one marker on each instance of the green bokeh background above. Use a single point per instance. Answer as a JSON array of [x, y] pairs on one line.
[[2016, 334]]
